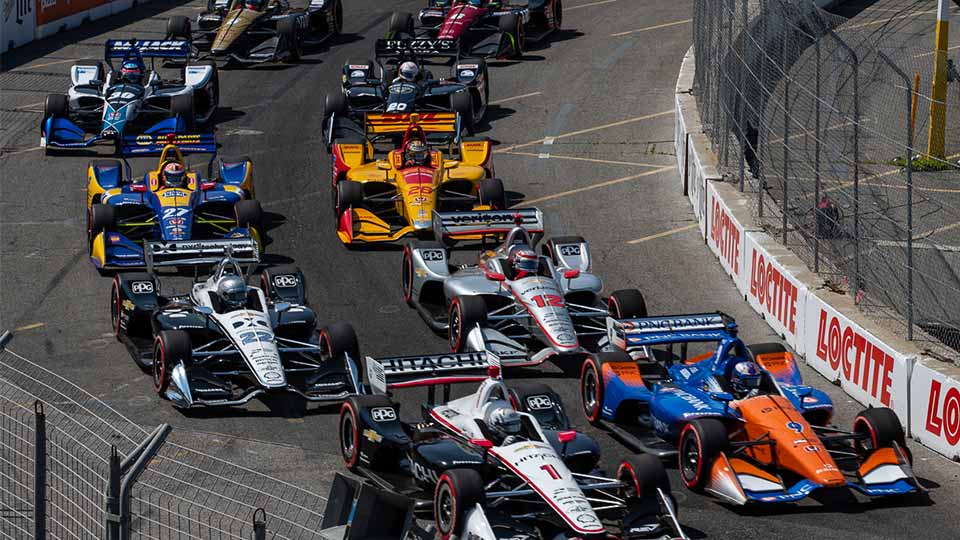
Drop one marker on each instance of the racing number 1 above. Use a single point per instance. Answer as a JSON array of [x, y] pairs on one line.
[[544, 300], [551, 470]]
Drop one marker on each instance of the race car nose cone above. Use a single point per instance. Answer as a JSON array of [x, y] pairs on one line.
[[422, 224]]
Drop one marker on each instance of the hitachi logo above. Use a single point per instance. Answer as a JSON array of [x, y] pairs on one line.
[[434, 362]]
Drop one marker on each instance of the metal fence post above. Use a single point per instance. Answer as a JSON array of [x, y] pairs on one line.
[[259, 524], [39, 472], [727, 117], [786, 145], [816, 162], [742, 103], [131, 467], [112, 515]]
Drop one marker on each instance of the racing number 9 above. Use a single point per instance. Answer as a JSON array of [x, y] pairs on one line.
[[544, 300]]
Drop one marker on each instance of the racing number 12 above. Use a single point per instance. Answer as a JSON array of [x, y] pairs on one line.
[[544, 300], [551, 470]]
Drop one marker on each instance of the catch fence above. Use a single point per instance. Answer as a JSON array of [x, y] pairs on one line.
[[825, 120], [72, 467]]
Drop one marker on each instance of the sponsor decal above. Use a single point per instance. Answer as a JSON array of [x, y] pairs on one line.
[[357, 66], [469, 66], [943, 412], [357, 74], [424, 474], [372, 436], [693, 400], [127, 305], [247, 338], [434, 362], [141, 287], [539, 403], [774, 291], [795, 426], [726, 235], [855, 357], [272, 375], [285, 281], [468, 73], [569, 250], [383, 414]]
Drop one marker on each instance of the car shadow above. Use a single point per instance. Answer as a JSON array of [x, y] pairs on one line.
[[494, 113], [278, 406]]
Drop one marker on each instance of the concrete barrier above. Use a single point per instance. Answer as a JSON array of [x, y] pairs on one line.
[[38, 19]]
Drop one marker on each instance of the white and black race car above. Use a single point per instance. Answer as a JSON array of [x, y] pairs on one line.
[[556, 312], [540, 483], [202, 352]]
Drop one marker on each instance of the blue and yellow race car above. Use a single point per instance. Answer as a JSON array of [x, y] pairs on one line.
[[171, 215], [742, 423]]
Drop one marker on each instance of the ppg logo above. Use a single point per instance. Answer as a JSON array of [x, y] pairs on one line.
[[285, 281], [432, 255], [539, 403], [570, 250], [383, 414], [141, 287]]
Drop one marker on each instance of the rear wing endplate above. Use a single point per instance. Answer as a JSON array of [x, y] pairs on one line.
[[385, 374], [451, 225], [148, 48], [628, 333], [200, 252]]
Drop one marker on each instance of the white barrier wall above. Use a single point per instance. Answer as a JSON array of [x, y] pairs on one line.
[[29, 20], [18, 24], [935, 407]]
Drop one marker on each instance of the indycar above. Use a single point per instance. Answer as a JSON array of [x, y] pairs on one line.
[[100, 103], [770, 445], [384, 197], [202, 353], [139, 221], [482, 28], [540, 483], [556, 313], [466, 91], [232, 30]]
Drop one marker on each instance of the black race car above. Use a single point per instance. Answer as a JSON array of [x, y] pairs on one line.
[[257, 31], [206, 351], [364, 90]]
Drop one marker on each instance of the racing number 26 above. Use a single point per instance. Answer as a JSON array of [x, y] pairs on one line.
[[544, 300]]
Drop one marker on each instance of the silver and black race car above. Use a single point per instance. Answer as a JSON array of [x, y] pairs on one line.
[[373, 87], [536, 480], [257, 31], [205, 351], [556, 312], [100, 102]]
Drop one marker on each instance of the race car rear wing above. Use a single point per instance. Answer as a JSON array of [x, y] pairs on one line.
[[159, 136], [432, 122], [200, 252], [417, 47], [148, 48], [385, 374], [630, 333], [484, 223]]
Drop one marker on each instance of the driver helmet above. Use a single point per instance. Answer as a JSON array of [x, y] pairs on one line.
[[745, 378], [131, 72], [409, 71], [174, 175], [232, 291], [522, 260], [503, 420], [416, 152], [255, 5]]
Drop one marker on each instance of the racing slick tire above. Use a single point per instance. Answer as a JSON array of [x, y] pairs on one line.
[[338, 340], [349, 434], [592, 385], [334, 103], [346, 195], [882, 428], [289, 31], [540, 401], [461, 102], [511, 25], [297, 287], [101, 217], [627, 304], [492, 193], [249, 214], [641, 475], [401, 22], [457, 492], [406, 270], [117, 297], [178, 27], [57, 105], [466, 312], [351, 425], [701, 441], [169, 348], [556, 18], [183, 107]]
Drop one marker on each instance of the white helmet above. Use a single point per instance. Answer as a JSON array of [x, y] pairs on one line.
[[503, 421], [232, 291], [409, 71]]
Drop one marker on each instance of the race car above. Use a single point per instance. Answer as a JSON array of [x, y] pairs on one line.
[[258, 31], [744, 426], [111, 104], [526, 307], [498, 463], [384, 197], [483, 28], [226, 343], [172, 215], [466, 91]]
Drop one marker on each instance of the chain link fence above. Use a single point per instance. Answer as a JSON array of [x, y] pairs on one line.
[[826, 120], [71, 467]]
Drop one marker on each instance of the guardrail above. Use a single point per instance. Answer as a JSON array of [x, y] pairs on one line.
[[73, 467]]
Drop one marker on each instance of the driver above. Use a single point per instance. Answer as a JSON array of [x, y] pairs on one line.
[[409, 72], [173, 175], [416, 154], [745, 379], [232, 292], [504, 422], [255, 5], [522, 261], [131, 72]]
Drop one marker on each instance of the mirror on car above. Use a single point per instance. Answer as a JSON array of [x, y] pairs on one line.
[[281, 306], [721, 396], [204, 310]]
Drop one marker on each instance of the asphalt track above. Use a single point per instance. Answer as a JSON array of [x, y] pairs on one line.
[[584, 129]]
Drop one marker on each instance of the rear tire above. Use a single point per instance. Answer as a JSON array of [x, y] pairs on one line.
[[466, 312], [170, 347], [627, 304], [701, 441], [882, 427], [249, 214], [462, 103], [349, 435], [592, 387], [492, 193], [458, 490], [641, 475], [182, 106], [400, 23], [178, 27], [101, 218], [56, 105], [512, 26]]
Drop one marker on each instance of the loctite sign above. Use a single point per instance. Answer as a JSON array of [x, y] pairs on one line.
[[773, 292], [724, 234], [868, 369], [935, 409]]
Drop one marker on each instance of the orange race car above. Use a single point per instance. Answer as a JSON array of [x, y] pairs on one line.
[[383, 196]]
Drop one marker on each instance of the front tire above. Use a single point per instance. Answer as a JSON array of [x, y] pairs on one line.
[[183, 107], [349, 435], [466, 312], [461, 102], [170, 348], [592, 386], [178, 27], [249, 214], [289, 31], [881, 427], [492, 193], [641, 476], [627, 304], [56, 105], [339, 340], [512, 27], [400, 23], [701, 441], [100, 218], [458, 490]]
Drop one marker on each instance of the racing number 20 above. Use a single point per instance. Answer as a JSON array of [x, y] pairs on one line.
[[544, 300]]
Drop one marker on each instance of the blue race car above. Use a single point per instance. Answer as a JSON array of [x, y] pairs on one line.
[[104, 105], [742, 423], [172, 215]]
